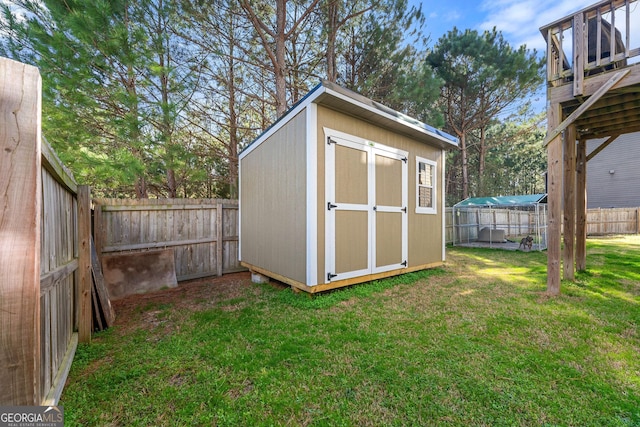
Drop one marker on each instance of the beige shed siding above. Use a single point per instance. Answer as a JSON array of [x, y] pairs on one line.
[[273, 202], [425, 230]]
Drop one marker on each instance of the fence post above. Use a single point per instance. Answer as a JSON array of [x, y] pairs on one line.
[[219, 238], [84, 262], [495, 220], [98, 235], [21, 193], [601, 222]]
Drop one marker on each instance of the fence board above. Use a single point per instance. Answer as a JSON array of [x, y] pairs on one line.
[[202, 232], [55, 391], [98, 287], [45, 342]]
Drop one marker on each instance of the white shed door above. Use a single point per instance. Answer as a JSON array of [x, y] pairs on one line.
[[366, 221]]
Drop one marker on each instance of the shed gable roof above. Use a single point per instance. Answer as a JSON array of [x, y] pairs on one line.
[[353, 104]]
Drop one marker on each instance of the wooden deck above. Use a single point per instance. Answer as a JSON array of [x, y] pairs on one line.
[[593, 74], [583, 56]]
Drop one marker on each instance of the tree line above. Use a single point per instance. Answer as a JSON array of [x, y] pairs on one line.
[[155, 98]]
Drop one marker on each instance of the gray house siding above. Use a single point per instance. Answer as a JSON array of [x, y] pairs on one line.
[[613, 175]]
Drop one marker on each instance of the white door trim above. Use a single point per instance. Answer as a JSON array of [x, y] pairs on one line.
[[332, 206], [401, 156], [333, 137]]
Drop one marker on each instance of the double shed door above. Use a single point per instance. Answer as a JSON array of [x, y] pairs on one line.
[[366, 192]]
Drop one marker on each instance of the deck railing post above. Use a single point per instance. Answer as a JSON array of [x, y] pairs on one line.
[[578, 54]]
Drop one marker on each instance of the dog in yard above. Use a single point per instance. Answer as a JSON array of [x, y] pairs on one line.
[[526, 242]]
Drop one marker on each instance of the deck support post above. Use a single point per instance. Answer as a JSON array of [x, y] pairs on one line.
[[554, 201], [581, 206], [569, 211]]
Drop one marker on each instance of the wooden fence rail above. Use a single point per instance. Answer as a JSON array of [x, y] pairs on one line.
[[202, 232]]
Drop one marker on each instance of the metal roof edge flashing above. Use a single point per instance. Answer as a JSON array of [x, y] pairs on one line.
[[334, 90], [389, 113]]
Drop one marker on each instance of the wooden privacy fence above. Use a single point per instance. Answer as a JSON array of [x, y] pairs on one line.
[[203, 233], [65, 207], [44, 250], [613, 221]]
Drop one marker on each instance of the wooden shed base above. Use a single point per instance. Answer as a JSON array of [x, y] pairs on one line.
[[338, 283]]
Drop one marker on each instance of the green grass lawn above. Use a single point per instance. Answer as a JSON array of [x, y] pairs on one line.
[[477, 342]]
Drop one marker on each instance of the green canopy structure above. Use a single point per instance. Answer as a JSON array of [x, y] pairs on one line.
[[527, 199]]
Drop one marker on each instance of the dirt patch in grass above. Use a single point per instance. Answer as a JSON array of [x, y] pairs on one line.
[[632, 286], [146, 310]]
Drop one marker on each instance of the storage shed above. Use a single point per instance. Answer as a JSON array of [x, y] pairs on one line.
[[342, 190]]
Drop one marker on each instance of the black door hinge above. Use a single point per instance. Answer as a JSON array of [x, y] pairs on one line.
[[375, 208], [404, 209], [404, 263], [330, 141], [330, 276], [405, 160], [329, 206]]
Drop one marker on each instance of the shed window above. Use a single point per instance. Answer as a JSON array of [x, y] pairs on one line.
[[425, 186]]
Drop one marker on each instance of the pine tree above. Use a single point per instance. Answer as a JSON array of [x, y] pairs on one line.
[[483, 76], [116, 82]]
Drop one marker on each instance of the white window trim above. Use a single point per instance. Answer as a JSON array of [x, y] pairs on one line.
[[434, 188]]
